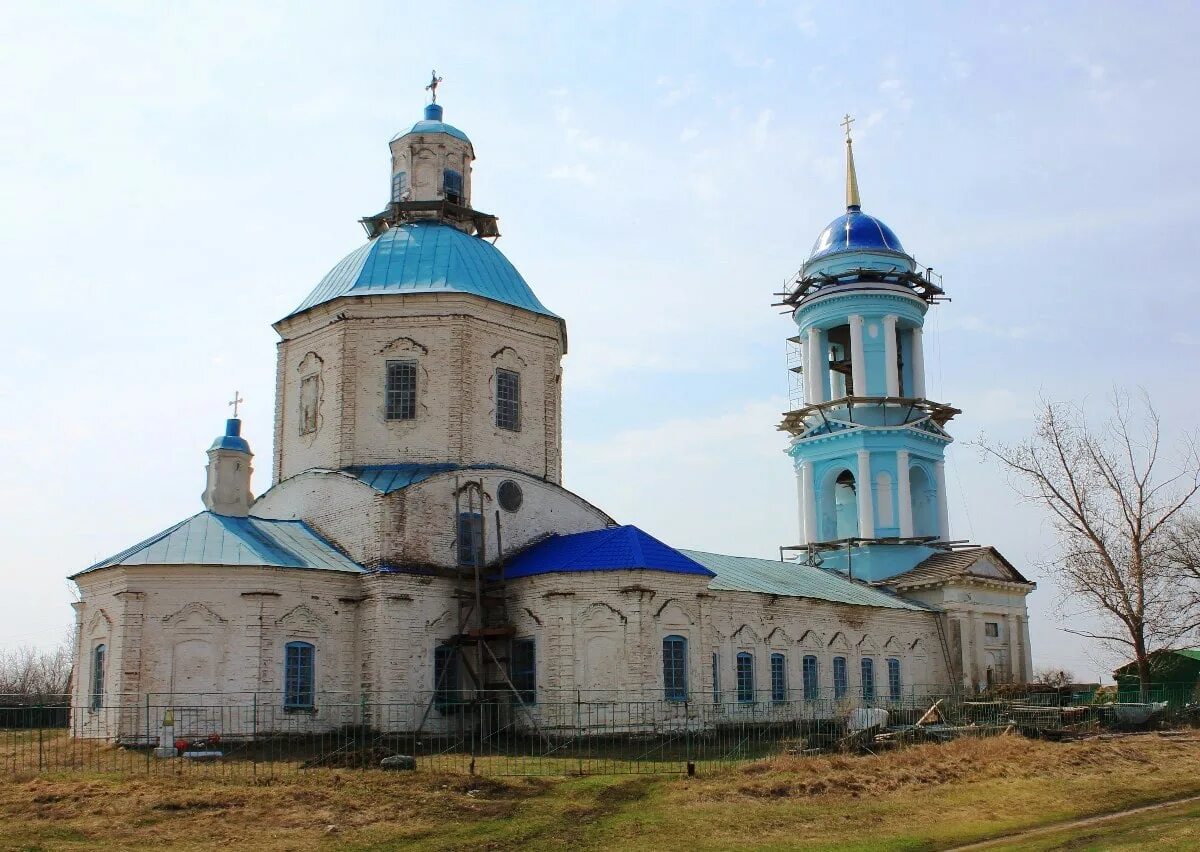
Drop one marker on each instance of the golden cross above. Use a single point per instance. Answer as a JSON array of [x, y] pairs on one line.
[[235, 402], [846, 122]]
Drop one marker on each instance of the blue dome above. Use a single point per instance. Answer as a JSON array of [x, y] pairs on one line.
[[432, 123], [855, 231], [426, 257], [232, 439]]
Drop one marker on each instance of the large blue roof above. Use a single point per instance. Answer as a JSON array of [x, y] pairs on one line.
[[855, 231], [426, 257], [625, 548]]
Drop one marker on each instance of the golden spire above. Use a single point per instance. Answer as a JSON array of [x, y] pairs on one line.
[[852, 199]]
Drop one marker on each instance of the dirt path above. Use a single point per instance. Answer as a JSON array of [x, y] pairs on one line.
[[1027, 834]]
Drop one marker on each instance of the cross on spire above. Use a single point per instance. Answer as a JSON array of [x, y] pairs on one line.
[[853, 202], [846, 122], [434, 79], [235, 402]]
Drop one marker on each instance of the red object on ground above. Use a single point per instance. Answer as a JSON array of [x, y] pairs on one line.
[[181, 745], [213, 739]]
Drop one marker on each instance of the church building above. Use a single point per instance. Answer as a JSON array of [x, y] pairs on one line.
[[417, 544]]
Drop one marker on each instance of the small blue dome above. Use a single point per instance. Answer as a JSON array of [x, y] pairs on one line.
[[855, 231], [426, 257], [232, 439], [432, 123]]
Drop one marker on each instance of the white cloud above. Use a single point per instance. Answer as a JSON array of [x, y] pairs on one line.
[[577, 172]]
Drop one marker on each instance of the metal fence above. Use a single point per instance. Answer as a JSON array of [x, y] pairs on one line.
[[255, 735]]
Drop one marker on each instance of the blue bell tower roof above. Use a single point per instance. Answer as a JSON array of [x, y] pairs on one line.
[[432, 123], [855, 230]]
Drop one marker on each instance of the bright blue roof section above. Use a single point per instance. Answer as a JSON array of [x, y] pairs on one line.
[[426, 257], [386, 478], [432, 123], [232, 439], [212, 539], [791, 579], [855, 231], [624, 548]]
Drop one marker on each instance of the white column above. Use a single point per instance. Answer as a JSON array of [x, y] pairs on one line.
[[1016, 657], [939, 469], [904, 494], [808, 500], [918, 364], [1026, 648], [858, 361], [891, 369], [866, 509], [818, 366]]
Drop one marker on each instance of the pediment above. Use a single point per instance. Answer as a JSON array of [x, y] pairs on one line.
[[194, 614]]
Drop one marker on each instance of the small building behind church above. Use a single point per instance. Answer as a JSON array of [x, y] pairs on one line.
[[417, 546]]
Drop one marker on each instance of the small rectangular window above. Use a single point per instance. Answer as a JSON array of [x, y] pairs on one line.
[[868, 679], [523, 669], [675, 668], [778, 678], [470, 537], [894, 684], [310, 392], [445, 676], [399, 186], [401, 390], [841, 683], [298, 671], [811, 687], [508, 400], [745, 677], [991, 629], [98, 660], [452, 186]]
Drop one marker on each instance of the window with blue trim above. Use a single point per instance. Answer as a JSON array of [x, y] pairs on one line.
[[675, 668], [894, 683], [445, 676], [523, 669], [470, 536], [811, 685], [99, 656], [841, 683], [299, 669], [716, 678], [778, 677], [745, 677], [399, 186], [452, 186], [868, 679]]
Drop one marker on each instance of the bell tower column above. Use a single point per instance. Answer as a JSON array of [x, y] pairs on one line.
[[866, 509], [858, 360]]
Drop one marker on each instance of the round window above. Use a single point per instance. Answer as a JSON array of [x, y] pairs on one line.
[[510, 496]]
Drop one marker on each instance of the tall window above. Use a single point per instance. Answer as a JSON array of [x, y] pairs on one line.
[[99, 655], [470, 537], [991, 629], [841, 683], [399, 186], [894, 684], [445, 676], [811, 688], [675, 668], [452, 186], [508, 400], [868, 679], [523, 669], [745, 677], [299, 662], [310, 400], [400, 393], [778, 677], [716, 678]]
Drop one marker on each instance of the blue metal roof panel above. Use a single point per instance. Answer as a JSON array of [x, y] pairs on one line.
[[624, 548], [212, 539], [792, 579], [421, 257], [386, 478], [855, 231]]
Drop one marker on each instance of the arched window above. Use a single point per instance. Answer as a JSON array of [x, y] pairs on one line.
[[99, 655], [811, 687], [779, 690], [399, 186], [868, 679], [924, 502], [452, 186], [845, 506], [508, 400], [470, 537], [675, 668], [894, 683], [445, 676], [745, 677], [841, 683], [299, 668]]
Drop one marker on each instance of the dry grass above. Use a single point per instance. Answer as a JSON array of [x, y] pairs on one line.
[[924, 797]]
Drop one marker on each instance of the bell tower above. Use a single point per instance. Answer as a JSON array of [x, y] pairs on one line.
[[867, 444]]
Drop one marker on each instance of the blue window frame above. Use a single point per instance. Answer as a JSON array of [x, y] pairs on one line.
[[868, 679], [811, 684], [779, 690], [841, 683], [445, 676], [452, 186], [675, 668], [299, 668], [745, 677], [894, 683], [470, 535], [99, 657], [399, 185], [716, 678], [523, 669]]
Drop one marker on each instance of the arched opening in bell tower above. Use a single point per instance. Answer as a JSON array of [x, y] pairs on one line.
[[841, 369], [841, 519], [924, 502]]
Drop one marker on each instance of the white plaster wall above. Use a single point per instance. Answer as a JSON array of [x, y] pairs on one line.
[[338, 506]]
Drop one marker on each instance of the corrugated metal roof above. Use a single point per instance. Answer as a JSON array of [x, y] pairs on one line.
[[425, 257], [386, 478], [612, 549], [212, 539], [793, 579], [948, 564]]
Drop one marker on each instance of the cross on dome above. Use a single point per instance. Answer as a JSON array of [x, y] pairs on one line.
[[434, 79], [235, 402]]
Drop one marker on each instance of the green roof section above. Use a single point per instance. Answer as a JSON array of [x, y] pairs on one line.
[[793, 579]]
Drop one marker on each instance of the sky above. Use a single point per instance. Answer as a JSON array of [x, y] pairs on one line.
[[178, 176]]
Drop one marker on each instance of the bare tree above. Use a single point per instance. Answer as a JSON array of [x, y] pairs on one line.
[[1055, 678], [1115, 504], [41, 673]]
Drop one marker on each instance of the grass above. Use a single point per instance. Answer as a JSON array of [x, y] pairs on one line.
[[925, 797]]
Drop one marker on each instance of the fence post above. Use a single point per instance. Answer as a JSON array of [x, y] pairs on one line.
[[579, 731], [149, 742], [41, 752], [254, 736]]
